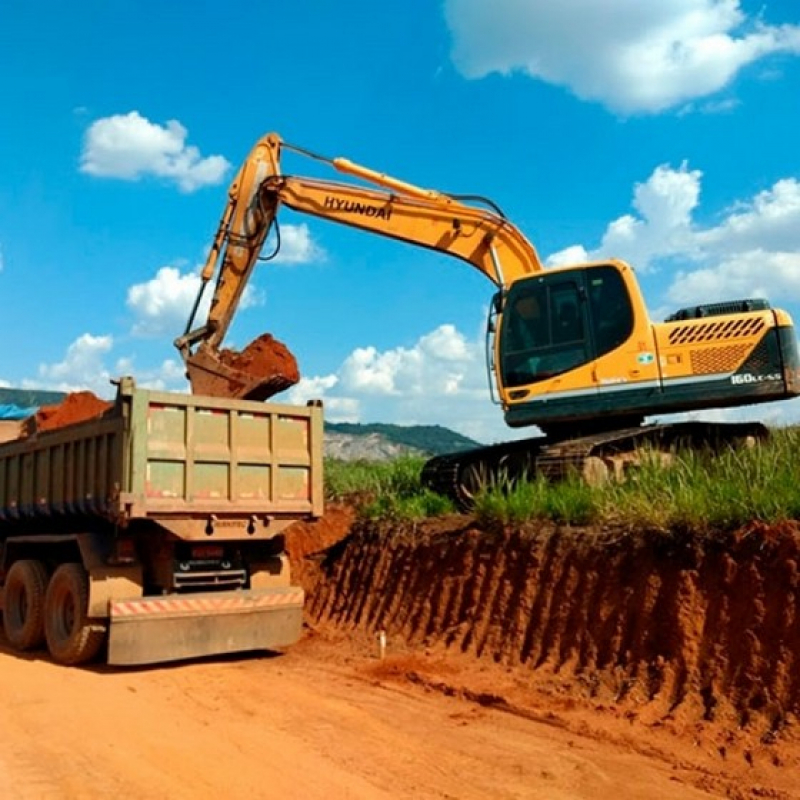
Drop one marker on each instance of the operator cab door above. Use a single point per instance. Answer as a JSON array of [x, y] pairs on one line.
[[626, 368], [576, 343], [546, 339]]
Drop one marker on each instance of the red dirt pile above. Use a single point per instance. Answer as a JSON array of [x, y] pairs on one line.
[[75, 407], [307, 543]]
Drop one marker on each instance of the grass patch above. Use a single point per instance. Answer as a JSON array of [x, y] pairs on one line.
[[700, 490], [384, 489]]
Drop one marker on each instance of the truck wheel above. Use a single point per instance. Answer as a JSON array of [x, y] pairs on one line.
[[72, 638], [23, 604]]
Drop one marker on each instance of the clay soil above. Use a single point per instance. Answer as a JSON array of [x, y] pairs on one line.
[[75, 407], [267, 359], [541, 663]]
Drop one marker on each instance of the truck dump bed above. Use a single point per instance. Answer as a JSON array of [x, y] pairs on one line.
[[184, 461]]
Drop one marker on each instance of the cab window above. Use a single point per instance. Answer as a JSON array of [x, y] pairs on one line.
[[610, 308], [543, 331]]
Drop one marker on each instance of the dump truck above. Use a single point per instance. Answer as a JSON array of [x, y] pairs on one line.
[[155, 532]]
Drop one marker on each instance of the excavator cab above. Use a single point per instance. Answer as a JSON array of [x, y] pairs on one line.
[[576, 349], [557, 322]]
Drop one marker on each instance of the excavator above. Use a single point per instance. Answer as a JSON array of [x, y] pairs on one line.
[[571, 349]]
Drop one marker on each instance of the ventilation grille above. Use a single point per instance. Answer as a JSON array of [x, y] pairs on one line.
[[716, 309], [693, 333], [712, 360]]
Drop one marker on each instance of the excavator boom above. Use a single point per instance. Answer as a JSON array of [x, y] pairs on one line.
[[479, 235]]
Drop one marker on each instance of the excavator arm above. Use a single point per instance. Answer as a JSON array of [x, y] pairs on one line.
[[457, 226]]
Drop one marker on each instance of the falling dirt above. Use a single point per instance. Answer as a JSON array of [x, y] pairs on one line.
[[75, 407], [684, 644]]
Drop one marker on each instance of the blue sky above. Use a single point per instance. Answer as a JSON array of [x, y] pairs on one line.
[[663, 133]]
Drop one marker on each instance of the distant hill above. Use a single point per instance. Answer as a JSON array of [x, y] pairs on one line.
[[30, 397], [381, 441], [21, 403]]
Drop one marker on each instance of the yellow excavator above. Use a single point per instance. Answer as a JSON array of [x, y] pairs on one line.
[[571, 349]]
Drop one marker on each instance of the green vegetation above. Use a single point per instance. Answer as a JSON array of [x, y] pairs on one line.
[[384, 489], [697, 490]]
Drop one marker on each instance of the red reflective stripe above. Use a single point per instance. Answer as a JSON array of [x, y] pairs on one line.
[[189, 605]]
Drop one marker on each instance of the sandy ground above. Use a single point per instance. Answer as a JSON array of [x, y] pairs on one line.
[[321, 721]]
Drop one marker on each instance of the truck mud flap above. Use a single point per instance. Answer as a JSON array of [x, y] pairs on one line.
[[155, 629]]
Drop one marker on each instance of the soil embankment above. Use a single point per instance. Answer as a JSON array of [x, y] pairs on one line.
[[695, 635]]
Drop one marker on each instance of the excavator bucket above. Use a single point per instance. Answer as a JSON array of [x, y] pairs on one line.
[[263, 369]]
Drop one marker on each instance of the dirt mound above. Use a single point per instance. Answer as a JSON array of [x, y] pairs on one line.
[[307, 543], [76, 407], [675, 629]]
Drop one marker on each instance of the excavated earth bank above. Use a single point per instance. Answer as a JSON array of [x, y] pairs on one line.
[[695, 634]]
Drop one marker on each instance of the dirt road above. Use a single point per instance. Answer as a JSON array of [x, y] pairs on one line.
[[317, 722]]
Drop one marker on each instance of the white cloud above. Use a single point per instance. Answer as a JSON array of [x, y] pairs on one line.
[[755, 273], [297, 246], [772, 216], [663, 226], [162, 304], [440, 380], [129, 146], [170, 375], [629, 55], [82, 367], [753, 251], [437, 364], [338, 409]]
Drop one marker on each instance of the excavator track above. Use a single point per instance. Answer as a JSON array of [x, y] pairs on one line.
[[597, 457], [460, 476]]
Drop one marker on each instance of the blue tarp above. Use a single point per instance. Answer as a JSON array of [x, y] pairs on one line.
[[21, 403], [9, 411]]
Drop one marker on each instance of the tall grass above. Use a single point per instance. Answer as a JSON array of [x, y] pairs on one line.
[[384, 490], [696, 489]]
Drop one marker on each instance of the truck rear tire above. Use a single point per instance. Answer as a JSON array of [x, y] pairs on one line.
[[23, 604], [72, 638]]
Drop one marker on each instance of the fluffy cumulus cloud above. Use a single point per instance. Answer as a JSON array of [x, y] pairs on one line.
[[169, 375], [83, 367], [89, 365], [297, 246], [630, 55], [441, 379], [753, 251], [129, 146], [161, 305], [662, 225]]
